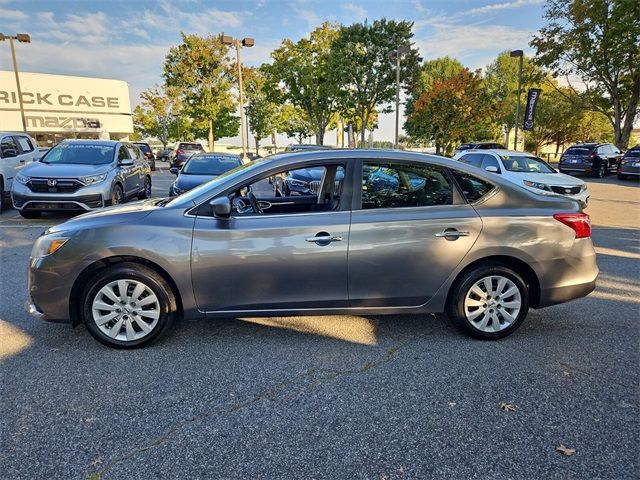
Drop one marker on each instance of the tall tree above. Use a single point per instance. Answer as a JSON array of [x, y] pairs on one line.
[[300, 75], [438, 69], [596, 41], [501, 78], [451, 110], [293, 122], [201, 72], [362, 69], [261, 110], [154, 117]]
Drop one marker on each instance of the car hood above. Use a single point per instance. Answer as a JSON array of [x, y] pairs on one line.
[[51, 170], [131, 212], [188, 181], [549, 178]]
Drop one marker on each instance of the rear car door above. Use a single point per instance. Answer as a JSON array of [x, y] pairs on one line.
[[409, 230], [293, 256]]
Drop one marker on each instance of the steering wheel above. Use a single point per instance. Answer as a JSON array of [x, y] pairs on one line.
[[254, 203]]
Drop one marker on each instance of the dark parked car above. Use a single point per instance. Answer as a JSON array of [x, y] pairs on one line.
[[478, 146], [597, 159], [435, 236], [148, 153], [163, 155], [182, 151], [629, 164], [303, 147], [201, 168]]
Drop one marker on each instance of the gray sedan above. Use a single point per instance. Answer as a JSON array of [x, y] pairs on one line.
[[383, 232]]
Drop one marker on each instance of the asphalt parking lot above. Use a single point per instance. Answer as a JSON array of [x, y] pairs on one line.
[[395, 397]]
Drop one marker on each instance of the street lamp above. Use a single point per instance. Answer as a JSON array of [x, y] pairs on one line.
[[517, 54], [23, 38], [397, 54], [245, 42]]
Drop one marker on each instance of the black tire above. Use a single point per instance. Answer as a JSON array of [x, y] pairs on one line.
[[456, 306], [136, 272], [602, 171], [31, 214], [146, 189], [117, 195]]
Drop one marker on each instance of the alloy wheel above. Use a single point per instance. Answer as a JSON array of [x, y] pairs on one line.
[[116, 197], [126, 310], [493, 303]]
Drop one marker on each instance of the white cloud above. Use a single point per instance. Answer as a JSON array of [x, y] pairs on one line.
[[494, 7], [12, 15], [356, 12], [82, 28]]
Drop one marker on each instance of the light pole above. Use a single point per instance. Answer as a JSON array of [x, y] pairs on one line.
[[23, 38], [397, 54], [245, 42], [519, 54]]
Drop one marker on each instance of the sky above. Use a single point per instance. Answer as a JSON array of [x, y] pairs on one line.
[[128, 40]]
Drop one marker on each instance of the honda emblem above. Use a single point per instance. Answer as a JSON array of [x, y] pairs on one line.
[[52, 182]]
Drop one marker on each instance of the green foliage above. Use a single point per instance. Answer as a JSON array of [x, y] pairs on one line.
[[596, 41], [201, 73], [293, 122], [300, 76], [451, 110], [362, 70], [155, 116], [261, 110]]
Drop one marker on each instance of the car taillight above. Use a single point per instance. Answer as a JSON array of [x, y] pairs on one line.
[[578, 222], [179, 151]]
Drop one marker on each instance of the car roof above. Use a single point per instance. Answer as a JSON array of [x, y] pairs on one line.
[[501, 152]]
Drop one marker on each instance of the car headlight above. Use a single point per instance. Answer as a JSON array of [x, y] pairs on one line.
[[176, 190], [91, 179], [297, 183], [539, 186], [49, 243], [23, 179], [583, 187]]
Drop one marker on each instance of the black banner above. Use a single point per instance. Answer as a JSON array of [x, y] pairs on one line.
[[532, 102]]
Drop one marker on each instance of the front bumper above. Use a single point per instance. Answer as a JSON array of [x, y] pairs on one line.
[[86, 198]]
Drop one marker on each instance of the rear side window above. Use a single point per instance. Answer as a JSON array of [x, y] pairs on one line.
[[395, 185], [25, 144], [474, 159], [8, 147], [473, 188], [190, 146]]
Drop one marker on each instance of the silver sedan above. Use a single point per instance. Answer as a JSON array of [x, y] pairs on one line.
[[372, 232]]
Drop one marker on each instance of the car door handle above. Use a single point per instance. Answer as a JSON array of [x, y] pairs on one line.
[[324, 239], [452, 233]]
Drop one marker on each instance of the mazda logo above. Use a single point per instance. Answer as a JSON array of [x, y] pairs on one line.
[[52, 182]]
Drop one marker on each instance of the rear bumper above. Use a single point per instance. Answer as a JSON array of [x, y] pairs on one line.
[[575, 167], [554, 296], [624, 170]]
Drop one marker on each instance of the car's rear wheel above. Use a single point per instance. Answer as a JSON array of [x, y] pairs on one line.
[[30, 214], [489, 302], [117, 196], [146, 190], [127, 306]]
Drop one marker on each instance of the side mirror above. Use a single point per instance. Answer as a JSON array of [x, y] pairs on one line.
[[221, 207], [126, 162], [174, 170], [491, 168]]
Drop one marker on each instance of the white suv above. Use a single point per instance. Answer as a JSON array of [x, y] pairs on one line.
[[528, 171], [16, 150]]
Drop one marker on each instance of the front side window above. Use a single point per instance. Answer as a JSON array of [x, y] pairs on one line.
[[398, 185], [80, 154], [123, 153], [526, 164], [473, 188], [490, 161]]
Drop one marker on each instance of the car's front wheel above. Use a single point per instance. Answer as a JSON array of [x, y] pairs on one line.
[[489, 302], [602, 171], [127, 306], [30, 214], [117, 195]]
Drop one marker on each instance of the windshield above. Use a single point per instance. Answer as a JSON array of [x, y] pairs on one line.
[[143, 146], [194, 193], [210, 164], [526, 164], [80, 153], [190, 146]]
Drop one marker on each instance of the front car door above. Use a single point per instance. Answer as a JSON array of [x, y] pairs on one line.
[[291, 257], [409, 230], [11, 163], [127, 169]]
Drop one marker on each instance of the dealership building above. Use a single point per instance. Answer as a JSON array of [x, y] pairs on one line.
[[61, 106]]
